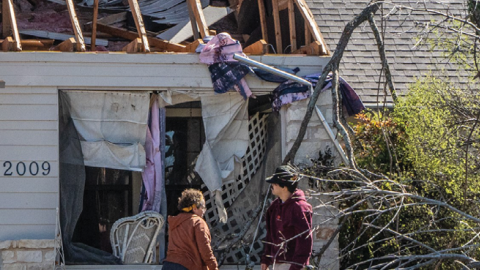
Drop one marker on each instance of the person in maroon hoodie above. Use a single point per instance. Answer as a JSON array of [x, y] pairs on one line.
[[289, 242], [189, 237]]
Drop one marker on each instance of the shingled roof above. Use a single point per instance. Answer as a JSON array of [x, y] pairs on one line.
[[361, 63]]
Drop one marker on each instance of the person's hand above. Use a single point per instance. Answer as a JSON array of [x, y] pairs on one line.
[[264, 266]]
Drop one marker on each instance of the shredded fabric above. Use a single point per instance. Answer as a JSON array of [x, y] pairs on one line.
[[226, 72]]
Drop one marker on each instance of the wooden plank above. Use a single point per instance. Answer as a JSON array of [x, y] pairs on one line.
[[308, 36], [278, 30], [80, 45], [196, 6], [193, 46], [68, 45], [263, 20], [291, 24], [7, 44], [193, 22], [260, 47], [6, 24], [134, 47], [27, 216], [60, 36], [162, 44], [311, 24], [114, 18], [93, 46], [137, 16], [18, 232], [26, 153], [29, 137], [13, 25], [314, 48], [31, 125], [29, 200]]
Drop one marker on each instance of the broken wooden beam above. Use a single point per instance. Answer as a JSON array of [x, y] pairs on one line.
[[7, 44], [311, 24], [135, 46], [137, 17], [129, 35], [13, 25], [6, 24], [197, 9], [278, 30], [193, 46], [76, 26], [69, 45], [314, 48], [59, 36], [263, 20], [291, 23], [93, 46], [258, 48]]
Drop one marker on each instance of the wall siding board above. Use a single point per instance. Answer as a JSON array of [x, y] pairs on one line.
[[27, 216], [28, 200], [28, 153], [29, 137], [20, 90], [19, 232], [42, 184], [28, 112], [28, 125]]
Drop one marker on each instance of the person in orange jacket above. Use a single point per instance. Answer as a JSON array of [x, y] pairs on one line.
[[189, 237]]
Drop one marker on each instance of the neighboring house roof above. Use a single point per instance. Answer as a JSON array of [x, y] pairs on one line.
[[361, 63]]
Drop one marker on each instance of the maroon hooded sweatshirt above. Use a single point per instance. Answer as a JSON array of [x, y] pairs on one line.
[[189, 242], [284, 221]]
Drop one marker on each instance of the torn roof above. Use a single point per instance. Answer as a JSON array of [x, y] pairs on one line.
[[158, 25], [361, 63]]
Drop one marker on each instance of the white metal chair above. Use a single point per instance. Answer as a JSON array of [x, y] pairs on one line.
[[133, 238]]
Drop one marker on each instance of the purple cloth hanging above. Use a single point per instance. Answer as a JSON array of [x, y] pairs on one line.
[[153, 175]]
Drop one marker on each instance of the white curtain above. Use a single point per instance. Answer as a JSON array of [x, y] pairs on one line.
[[225, 118], [112, 126]]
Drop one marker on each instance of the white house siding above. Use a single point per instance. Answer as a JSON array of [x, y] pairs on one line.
[[28, 138], [29, 117]]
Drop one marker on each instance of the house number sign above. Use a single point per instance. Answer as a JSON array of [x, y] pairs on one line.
[[21, 168]]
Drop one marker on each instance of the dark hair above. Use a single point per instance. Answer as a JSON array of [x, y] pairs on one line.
[[190, 197], [291, 186]]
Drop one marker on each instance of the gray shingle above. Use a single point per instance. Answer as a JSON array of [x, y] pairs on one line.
[[361, 63]]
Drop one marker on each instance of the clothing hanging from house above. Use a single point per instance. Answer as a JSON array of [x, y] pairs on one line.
[[291, 91], [350, 100], [152, 175], [270, 77], [226, 72]]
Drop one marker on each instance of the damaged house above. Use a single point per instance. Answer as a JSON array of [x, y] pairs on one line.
[[109, 109]]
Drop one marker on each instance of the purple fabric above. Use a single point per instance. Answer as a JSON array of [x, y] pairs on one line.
[[153, 175], [226, 72], [221, 49], [226, 76], [290, 91], [284, 221], [351, 101]]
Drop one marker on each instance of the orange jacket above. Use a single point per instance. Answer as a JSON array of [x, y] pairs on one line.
[[189, 242]]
